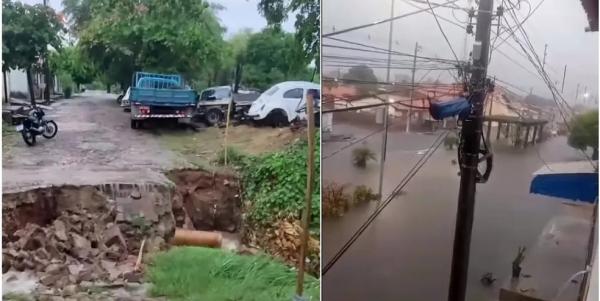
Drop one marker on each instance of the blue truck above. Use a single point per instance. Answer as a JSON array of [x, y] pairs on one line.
[[160, 96]]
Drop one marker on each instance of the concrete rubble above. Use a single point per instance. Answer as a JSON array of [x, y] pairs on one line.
[[76, 247]]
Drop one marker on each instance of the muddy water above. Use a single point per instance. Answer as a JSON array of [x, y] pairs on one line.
[[406, 253]]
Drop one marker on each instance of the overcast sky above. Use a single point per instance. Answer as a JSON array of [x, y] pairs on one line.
[[559, 23], [238, 14]]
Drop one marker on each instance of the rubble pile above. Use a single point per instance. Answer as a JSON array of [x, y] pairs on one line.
[[78, 246]]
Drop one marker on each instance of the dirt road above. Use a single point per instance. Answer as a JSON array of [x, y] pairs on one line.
[[94, 145]]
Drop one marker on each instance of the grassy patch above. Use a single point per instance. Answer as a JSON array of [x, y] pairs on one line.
[[190, 273], [9, 138], [17, 297], [205, 147]]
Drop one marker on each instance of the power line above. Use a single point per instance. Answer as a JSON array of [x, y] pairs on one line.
[[443, 33], [412, 172], [386, 51], [549, 83], [382, 21], [352, 143]]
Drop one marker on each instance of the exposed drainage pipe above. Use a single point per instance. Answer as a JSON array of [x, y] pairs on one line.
[[197, 238]]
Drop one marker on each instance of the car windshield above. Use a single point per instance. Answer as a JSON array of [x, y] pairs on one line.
[[221, 93]]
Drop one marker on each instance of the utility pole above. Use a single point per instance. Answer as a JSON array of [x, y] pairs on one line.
[[545, 54], [563, 83], [577, 93], [386, 107], [470, 139], [531, 91], [412, 88]]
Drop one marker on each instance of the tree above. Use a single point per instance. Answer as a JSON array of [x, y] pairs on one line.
[[70, 60], [80, 13], [584, 132], [364, 76], [271, 57], [27, 32], [307, 22], [158, 36], [239, 49]]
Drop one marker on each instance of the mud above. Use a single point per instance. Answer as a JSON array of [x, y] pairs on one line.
[[206, 201]]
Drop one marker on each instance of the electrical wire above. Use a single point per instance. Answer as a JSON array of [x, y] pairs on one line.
[[443, 33], [386, 51], [382, 21], [553, 90], [351, 144], [412, 172]]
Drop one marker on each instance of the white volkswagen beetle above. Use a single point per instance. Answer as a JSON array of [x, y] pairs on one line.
[[283, 102]]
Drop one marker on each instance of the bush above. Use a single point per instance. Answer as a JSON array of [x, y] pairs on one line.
[[361, 155], [234, 156], [450, 141], [68, 91], [335, 200], [275, 184], [363, 194]]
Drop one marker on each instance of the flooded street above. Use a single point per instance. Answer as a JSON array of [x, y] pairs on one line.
[[406, 253]]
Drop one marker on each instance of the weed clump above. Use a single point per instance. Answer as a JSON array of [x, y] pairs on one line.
[[361, 155]]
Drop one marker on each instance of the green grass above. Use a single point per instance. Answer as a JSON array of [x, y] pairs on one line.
[[16, 297], [190, 273], [9, 138]]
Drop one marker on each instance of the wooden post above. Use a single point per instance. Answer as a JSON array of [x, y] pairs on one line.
[[498, 131], [227, 130], [526, 142], [541, 133], [507, 132], [310, 115], [518, 136]]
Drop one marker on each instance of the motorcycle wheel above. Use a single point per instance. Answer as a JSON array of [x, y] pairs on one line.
[[28, 137], [50, 130]]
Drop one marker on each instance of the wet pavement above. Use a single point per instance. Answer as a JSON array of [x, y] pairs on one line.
[[406, 253], [94, 145]]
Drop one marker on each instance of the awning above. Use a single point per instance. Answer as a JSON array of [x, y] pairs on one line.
[[577, 181]]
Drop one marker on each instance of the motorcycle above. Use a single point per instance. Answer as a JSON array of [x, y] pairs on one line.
[[36, 124]]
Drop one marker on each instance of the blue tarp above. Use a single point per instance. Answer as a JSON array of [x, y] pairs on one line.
[[443, 109], [577, 181]]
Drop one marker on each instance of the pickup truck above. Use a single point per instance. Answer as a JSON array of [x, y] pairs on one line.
[[154, 96], [213, 102]]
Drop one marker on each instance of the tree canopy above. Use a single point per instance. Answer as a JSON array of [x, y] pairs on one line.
[[584, 132], [185, 36], [152, 35], [71, 62], [26, 33], [307, 22], [271, 57], [364, 76]]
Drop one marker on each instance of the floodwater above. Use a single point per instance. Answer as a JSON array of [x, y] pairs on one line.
[[406, 252]]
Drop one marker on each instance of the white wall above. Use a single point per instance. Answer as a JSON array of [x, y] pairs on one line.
[[17, 81]]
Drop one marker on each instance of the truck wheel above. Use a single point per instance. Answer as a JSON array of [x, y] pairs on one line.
[[213, 116], [277, 118]]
